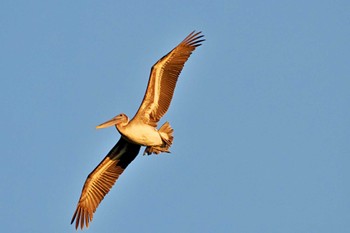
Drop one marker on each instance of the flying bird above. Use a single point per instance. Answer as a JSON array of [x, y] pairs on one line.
[[139, 131]]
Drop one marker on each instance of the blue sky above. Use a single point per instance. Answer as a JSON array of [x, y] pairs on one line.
[[260, 112]]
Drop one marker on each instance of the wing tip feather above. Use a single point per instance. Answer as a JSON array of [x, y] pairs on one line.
[[194, 39]]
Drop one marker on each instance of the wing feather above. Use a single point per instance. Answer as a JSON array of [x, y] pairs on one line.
[[163, 78], [101, 180]]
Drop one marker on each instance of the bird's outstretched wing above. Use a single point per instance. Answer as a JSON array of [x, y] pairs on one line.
[[162, 80], [101, 180]]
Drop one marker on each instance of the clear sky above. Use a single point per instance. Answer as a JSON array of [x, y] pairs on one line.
[[260, 112]]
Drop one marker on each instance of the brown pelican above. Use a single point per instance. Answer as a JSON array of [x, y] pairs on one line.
[[139, 131]]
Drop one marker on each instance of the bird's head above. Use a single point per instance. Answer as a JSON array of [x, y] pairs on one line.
[[120, 119]]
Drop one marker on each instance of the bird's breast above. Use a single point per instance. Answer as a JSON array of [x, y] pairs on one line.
[[142, 134]]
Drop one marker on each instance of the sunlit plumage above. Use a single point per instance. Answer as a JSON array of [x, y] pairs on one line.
[[139, 131]]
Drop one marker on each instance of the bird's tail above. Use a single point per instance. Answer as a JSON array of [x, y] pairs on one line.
[[166, 133]]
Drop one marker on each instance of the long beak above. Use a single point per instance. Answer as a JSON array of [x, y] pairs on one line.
[[106, 124]]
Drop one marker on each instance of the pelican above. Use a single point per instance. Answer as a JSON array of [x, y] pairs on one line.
[[139, 131]]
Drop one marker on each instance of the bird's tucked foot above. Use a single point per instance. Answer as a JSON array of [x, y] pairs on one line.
[[155, 150]]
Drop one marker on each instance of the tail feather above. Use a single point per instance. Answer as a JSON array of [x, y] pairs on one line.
[[166, 133]]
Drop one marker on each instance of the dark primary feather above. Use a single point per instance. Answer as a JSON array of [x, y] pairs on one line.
[[163, 78], [101, 180]]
